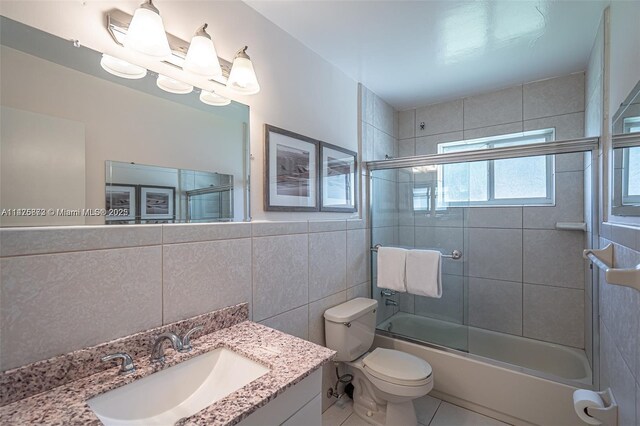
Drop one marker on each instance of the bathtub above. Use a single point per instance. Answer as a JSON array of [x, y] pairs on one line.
[[517, 380]]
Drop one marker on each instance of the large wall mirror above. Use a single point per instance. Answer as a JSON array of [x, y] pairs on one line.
[[625, 197], [76, 140]]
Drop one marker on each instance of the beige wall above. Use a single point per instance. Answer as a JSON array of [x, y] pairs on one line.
[[66, 288]]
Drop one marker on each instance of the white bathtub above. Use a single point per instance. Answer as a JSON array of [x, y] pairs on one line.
[[552, 360], [514, 379]]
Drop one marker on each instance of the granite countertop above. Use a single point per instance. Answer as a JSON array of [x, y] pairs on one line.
[[290, 359]]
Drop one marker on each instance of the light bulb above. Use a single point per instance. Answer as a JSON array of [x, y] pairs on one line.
[[212, 98], [121, 68], [171, 85], [242, 78], [146, 33], [202, 58]]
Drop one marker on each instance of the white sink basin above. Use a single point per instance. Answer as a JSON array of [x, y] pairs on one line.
[[179, 391]]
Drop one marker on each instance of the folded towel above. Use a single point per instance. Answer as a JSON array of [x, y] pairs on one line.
[[424, 273], [391, 263]]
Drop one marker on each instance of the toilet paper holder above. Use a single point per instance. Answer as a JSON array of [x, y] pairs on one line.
[[607, 415]]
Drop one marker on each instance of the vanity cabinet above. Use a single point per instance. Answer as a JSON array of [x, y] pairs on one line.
[[300, 405]]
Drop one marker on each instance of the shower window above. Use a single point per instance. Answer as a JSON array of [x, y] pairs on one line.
[[514, 181]]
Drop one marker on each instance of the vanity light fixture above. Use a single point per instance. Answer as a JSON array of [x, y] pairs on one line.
[[146, 32], [212, 98], [171, 85], [202, 58], [242, 78], [121, 68]]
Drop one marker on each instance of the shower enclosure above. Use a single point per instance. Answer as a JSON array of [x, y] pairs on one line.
[[520, 296]]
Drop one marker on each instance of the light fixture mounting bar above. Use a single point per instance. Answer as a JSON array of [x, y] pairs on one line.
[[118, 24]]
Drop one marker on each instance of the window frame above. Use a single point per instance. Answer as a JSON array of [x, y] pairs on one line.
[[494, 142]]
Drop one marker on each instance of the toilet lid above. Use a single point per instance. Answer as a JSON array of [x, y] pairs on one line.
[[396, 367]]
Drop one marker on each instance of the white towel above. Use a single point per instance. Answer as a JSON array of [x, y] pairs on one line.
[[391, 267], [424, 273]]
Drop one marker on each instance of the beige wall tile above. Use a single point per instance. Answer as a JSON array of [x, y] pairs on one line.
[[202, 277], [448, 308], [554, 314], [24, 241], [280, 274], [53, 304], [407, 124], [264, 229], [489, 109], [497, 130], [357, 256], [328, 264], [294, 322], [429, 144], [444, 117], [495, 253], [555, 96], [187, 233], [495, 305], [553, 258]]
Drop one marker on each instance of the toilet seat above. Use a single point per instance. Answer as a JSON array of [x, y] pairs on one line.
[[397, 368]]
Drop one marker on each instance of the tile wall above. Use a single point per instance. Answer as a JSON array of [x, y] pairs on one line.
[[67, 288], [519, 275]]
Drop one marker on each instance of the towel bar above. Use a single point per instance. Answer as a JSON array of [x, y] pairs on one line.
[[603, 259], [455, 255]]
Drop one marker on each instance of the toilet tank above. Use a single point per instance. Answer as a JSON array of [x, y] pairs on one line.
[[349, 328]]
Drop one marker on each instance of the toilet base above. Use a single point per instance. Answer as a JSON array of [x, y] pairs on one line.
[[402, 413]]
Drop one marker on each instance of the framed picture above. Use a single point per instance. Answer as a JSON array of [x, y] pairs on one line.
[[291, 171], [157, 203], [338, 179], [121, 199]]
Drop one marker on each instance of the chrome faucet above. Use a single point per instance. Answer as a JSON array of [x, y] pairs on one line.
[[157, 353], [186, 340], [126, 365], [389, 302]]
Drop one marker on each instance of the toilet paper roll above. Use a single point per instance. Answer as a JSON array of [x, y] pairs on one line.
[[583, 399]]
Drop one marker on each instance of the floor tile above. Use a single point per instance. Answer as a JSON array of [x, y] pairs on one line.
[[426, 408], [452, 415], [336, 415], [355, 420]]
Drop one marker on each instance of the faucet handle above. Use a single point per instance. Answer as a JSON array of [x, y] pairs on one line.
[[186, 340], [126, 366]]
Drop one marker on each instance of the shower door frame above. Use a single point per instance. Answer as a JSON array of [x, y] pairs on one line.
[[588, 144]]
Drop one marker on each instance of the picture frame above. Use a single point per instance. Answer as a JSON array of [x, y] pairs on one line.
[[157, 203], [338, 172], [121, 196], [291, 171]]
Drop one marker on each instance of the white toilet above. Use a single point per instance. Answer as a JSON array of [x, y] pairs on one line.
[[385, 381]]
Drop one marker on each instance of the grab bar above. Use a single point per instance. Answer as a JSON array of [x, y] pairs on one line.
[[603, 259], [455, 255]]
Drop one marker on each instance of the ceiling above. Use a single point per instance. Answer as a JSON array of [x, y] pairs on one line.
[[414, 53]]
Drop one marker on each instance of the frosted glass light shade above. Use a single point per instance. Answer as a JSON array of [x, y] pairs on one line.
[[121, 68], [212, 98], [170, 85], [146, 33], [242, 78], [202, 58]]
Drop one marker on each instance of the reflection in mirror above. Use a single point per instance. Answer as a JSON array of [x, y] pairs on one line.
[[63, 117], [625, 197], [137, 193]]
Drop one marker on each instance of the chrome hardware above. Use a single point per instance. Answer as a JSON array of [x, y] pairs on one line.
[[347, 324], [455, 254], [157, 354], [385, 292], [126, 365], [186, 340], [389, 302]]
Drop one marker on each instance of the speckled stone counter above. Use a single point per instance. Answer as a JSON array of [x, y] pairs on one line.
[[290, 359]]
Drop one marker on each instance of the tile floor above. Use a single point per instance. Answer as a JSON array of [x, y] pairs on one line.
[[430, 412]]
